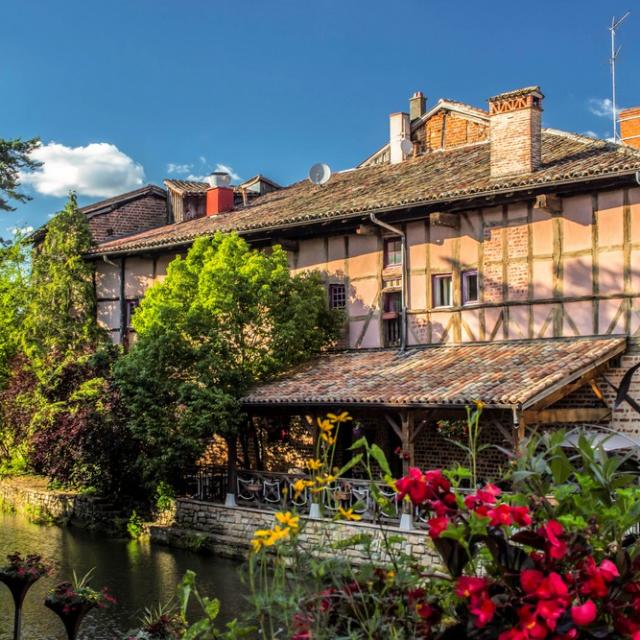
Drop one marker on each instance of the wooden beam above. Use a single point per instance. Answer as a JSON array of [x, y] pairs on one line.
[[598, 392], [565, 390], [549, 202], [441, 219], [574, 414], [394, 425]]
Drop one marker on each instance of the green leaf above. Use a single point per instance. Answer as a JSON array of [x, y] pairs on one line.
[[378, 455]]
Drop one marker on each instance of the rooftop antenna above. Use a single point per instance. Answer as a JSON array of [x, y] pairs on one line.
[[614, 56]]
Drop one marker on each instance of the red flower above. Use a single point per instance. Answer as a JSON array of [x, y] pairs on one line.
[[521, 516], [530, 580], [484, 611], [556, 548], [489, 493], [468, 586], [608, 570], [584, 614], [437, 526], [414, 486], [500, 516]]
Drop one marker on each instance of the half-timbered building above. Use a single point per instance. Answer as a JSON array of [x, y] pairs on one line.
[[478, 256]]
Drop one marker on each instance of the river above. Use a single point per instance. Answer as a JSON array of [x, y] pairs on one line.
[[138, 575]]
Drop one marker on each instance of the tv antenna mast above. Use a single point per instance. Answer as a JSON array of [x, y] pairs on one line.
[[614, 56]]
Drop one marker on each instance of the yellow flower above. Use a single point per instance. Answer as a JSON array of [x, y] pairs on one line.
[[260, 538], [391, 575], [328, 439], [314, 465], [277, 533], [348, 514], [479, 405], [342, 417], [300, 485], [288, 519], [325, 425]]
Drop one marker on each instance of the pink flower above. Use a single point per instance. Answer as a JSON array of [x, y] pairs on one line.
[[584, 614]]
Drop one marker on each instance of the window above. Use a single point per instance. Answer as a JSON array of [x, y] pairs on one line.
[[132, 305], [391, 318], [392, 252], [442, 290], [469, 287], [337, 296]]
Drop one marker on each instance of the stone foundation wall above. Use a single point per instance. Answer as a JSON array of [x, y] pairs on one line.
[[228, 531]]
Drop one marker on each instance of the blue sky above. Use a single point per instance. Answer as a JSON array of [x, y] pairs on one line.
[[132, 91]]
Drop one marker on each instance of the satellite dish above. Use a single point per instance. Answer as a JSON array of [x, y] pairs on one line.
[[320, 173], [406, 146]]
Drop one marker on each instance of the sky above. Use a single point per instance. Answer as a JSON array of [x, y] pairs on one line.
[[128, 92]]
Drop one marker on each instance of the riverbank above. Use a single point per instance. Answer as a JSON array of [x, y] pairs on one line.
[[199, 526], [31, 497]]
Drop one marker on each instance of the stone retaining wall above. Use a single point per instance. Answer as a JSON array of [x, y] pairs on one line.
[[31, 497], [228, 531]]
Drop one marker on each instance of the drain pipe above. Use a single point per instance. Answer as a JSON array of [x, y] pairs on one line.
[[638, 177], [403, 290]]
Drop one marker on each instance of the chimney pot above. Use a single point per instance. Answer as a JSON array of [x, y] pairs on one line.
[[417, 105], [219, 200], [630, 126], [516, 132]]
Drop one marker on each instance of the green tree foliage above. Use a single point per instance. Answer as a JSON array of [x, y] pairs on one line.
[[14, 282], [60, 317], [15, 155], [226, 317]]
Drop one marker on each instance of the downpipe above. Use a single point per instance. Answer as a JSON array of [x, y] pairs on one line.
[[403, 290]]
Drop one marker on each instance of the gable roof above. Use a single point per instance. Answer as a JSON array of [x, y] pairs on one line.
[[104, 206], [503, 375], [442, 176]]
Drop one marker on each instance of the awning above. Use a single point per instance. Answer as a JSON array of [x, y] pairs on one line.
[[609, 440], [503, 375]]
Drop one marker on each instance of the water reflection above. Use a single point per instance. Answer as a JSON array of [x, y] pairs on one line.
[[138, 574]]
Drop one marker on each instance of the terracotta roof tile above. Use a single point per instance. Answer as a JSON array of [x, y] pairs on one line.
[[501, 374], [434, 177]]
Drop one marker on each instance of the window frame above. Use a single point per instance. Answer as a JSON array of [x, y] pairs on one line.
[[337, 287], [464, 276], [396, 252], [435, 291]]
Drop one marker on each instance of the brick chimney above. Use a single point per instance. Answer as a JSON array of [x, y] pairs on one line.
[[417, 105], [630, 126], [515, 132], [399, 130], [220, 195]]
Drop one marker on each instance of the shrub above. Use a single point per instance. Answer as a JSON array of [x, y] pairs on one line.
[[550, 559]]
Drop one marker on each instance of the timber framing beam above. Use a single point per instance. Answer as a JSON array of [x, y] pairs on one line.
[[566, 416]]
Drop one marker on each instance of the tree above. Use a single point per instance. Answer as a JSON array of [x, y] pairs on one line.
[[225, 318], [61, 315], [14, 156]]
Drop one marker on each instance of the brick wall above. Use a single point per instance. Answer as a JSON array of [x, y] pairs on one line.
[[515, 142], [131, 217], [458, 131], [630, 126]]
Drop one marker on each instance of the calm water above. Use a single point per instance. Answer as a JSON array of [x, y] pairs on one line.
[[138, 574]]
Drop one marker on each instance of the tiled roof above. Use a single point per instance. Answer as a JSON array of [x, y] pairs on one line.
[[435, 177], [149, 189], [501, 374]]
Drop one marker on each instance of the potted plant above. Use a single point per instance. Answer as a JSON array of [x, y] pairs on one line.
[[19, 574], [162, 622], [71, 601]]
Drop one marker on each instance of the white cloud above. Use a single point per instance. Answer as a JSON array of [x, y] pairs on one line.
[[21, 231], [602, 107], [179, 169], [99, 169], [219, 167], [590, 134]]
